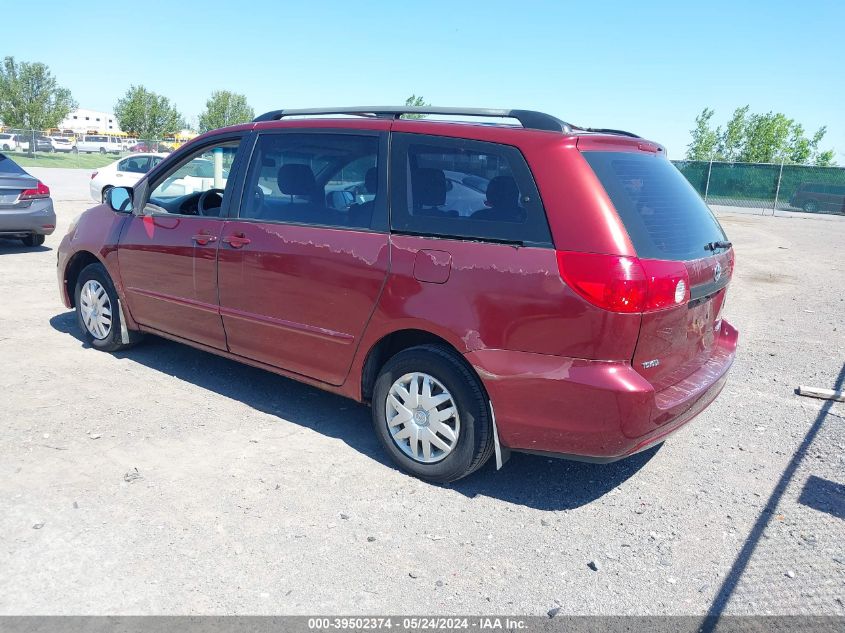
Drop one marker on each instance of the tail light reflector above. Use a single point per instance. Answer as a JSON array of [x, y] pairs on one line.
[[625, 284], [41, 191]]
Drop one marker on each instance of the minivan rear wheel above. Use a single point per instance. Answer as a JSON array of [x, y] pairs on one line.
[[431, 415], [98, 312]]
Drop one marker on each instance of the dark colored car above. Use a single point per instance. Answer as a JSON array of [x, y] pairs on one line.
[[43, 144], [575, 310], [26, 209], [819, 197]]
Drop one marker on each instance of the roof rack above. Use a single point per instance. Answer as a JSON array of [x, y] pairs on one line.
[[528, 118]]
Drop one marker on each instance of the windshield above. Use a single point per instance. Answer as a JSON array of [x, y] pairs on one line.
[[664, 216]]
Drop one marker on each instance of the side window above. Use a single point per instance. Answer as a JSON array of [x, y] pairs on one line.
[[465, 189], [321, 179], [135, 164], [197, 184]]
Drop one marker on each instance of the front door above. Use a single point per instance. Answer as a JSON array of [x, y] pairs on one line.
[[302, 267], [168, 251]]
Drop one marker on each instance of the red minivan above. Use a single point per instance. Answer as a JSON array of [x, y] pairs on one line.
[[484, 287]]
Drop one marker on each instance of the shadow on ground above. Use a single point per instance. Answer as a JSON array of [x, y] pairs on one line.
[[537, 482], [819, 494], [9, 245]]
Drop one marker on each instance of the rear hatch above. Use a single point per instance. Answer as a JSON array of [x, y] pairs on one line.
[[667, 221], [13, 181]]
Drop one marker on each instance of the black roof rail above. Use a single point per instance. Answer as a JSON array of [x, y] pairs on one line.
[[528, 118]]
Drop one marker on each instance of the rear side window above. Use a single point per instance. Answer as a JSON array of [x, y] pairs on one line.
[[664, 216], [7, 165], [135, 165], [458, 188]]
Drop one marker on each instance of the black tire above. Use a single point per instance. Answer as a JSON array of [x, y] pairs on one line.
[[33, 239], [103, 151], [475, 438], [105, 193], [811, 206], [112, 342], [6, 148]]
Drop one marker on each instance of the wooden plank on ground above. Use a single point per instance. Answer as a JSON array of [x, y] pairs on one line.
[[824, 394]]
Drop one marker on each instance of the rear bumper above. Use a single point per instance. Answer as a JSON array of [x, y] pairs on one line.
[[96, 190], [585, 409], [39, 217]]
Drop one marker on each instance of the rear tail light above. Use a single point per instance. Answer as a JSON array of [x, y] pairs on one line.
[[625, 284], [668, 284], [41, 191], [94, 174]]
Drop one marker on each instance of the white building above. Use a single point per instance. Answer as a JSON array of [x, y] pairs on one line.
[[83, 120]]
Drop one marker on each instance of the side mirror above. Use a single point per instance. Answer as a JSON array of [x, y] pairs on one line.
[[120, 199]]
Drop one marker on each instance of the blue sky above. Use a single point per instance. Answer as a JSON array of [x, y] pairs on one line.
[[648, 67]]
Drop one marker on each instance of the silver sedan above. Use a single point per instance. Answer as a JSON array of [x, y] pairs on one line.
[[26, 209]]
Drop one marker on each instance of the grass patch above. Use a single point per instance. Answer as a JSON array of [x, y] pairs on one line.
[[60, 159]]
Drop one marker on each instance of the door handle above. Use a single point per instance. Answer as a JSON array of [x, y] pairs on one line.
[[204, 238], [237, 240]]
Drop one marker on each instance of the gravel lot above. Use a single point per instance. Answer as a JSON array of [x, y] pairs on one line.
[[166, 480]]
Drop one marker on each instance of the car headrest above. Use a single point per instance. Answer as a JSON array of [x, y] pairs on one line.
[[371, 180], [503, 192], [296, 180], [429, 187]]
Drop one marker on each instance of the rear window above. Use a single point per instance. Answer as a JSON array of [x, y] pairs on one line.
[[665, 217], [8, 166]]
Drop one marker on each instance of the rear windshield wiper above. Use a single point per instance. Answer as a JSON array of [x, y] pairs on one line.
[[712, 246]]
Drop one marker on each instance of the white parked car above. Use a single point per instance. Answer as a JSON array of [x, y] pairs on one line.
[[122, 173], [8, 142], [11, 142], [102, 143], [62, 144]]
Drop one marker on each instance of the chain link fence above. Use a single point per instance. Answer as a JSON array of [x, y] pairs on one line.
[[776, 187], [77, 151]]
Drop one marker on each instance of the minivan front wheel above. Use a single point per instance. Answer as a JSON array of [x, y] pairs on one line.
[[431, 415], [811, 206], [97, 310]]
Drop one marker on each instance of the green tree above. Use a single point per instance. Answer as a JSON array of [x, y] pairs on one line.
[[732, 140], [30, 97], [756, 138], [704, 138], [766, 138], [415, 102], [146, 114], [225, 108], [799, 148], [824, 159]]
